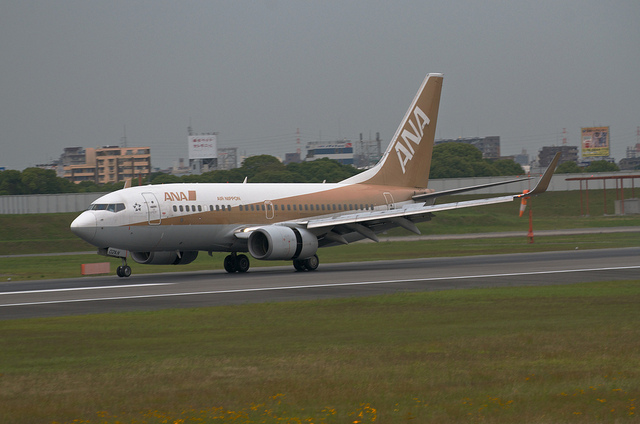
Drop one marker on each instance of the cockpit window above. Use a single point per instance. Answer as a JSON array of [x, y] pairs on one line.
[[111, 207]]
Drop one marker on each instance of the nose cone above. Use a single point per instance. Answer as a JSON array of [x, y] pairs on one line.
[[84, 226]]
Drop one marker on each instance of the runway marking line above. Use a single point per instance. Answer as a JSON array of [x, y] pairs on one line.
[[360, 283], [85, 288]]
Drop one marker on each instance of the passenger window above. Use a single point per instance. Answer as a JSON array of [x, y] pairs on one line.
[[322, 207], [223, 209], [229, 208], [199, 208], [218, 208], [181, 208], [306, 207], [175, 208], [289, 207]]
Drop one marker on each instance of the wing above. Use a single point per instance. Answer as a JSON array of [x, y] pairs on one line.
[[349, 227], [345, 228]]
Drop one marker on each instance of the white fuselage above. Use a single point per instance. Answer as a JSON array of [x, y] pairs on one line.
[[206, 217]]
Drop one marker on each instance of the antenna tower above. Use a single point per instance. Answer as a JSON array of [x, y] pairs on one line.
[[124, 138], [564, 136], [298, 151]]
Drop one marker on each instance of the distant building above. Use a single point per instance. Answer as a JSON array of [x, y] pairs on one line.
[[360, 154], [109, 164], [567, 154], [367, 152], [292, 158], [522, 159], [341, 151], [227, 158], [628, 164], [633, 152], [489, 146]]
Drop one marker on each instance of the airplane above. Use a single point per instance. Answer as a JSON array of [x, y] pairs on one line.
[[172, 223]]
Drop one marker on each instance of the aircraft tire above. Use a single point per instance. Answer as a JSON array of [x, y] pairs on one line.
[[230, 264], [242, 263], [298, 264], [311, 264], [119, 272], [126, 271]]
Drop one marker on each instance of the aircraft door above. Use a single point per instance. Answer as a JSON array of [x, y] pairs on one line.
[[268, 207], [388, 198], [154, 216]]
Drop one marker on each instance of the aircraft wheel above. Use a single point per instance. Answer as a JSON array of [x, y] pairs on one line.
[[311, 264], [298, 264], [126, 271], [242, 263], [230, 264], [119, 272]]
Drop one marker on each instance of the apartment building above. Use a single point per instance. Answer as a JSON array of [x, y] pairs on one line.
[[110, 164]]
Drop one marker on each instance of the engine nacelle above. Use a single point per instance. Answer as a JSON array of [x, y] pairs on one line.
[[277, 242], [164, 257]]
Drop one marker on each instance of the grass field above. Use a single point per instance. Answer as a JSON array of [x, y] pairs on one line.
[[536, 355]]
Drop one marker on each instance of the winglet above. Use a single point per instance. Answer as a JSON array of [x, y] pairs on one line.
[[543, 184]]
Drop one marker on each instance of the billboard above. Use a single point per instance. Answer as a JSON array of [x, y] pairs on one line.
[[203, 146], [595, 141]]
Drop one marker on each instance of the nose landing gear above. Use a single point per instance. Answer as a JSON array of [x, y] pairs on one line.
[[124, 270]]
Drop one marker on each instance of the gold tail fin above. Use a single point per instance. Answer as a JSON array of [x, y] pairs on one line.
[[407, 160]]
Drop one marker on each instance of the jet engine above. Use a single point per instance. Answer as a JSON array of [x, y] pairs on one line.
[[277, 242], [170, 257]]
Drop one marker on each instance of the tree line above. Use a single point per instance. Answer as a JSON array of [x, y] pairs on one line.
[[450, 160], [259, 169]]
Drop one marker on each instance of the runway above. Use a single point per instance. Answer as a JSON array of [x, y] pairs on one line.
[[48, 298]]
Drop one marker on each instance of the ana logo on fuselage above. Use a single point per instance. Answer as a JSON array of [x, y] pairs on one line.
[[170, 196], [406, 151]]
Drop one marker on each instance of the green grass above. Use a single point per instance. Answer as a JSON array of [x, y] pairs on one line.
[[510, 355]]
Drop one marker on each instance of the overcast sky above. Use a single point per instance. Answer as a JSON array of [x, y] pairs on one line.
[[75, 73]]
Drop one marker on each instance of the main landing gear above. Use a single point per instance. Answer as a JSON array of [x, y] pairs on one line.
[[240, 263], [236, 263], [309, 264], [124, 270]]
